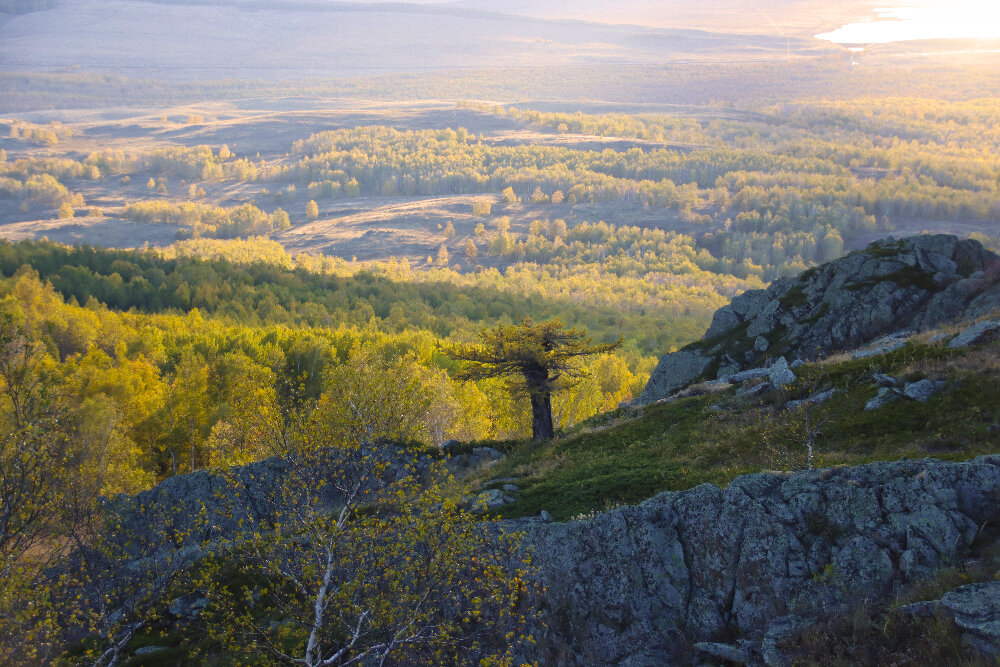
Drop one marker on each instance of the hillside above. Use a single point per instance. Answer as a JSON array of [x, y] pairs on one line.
[[891, 286], [486, 333], [253, 40], [775, 548], [802, 18]]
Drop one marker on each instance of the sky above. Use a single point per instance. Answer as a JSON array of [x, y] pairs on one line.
[[924, 19]]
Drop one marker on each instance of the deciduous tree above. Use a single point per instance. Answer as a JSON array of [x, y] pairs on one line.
[[312, 210]]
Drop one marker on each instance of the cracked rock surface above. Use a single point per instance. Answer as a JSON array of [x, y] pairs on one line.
[[642, 584], [914, 283]]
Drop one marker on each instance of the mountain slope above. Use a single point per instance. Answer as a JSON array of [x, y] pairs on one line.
[[301, 40]]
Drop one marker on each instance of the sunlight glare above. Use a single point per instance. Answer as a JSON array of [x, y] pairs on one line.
[[924, 19]]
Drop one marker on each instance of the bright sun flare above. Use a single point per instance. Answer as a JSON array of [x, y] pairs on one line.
[[924, 19]]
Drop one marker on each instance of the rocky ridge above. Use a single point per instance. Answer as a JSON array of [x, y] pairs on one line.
[[642, 585], [914, 283], [665, 580]]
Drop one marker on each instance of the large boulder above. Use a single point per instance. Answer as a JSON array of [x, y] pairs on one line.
[[673, 372], [981, 332], [914, 283], [644, 584]]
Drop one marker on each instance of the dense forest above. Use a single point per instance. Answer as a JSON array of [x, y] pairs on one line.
[[759, 193], [161, 351]]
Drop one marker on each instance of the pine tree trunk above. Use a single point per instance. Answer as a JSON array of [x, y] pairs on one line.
[[541, 417]]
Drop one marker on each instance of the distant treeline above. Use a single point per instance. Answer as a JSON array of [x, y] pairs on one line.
[[730, 84], [261, 293]]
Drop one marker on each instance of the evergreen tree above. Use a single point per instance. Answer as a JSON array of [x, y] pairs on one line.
[[539, 358]]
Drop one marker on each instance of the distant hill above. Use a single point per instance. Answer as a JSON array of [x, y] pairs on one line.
[[766, 17], [257, 39]]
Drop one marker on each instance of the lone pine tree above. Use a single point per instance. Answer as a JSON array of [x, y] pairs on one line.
[[539, 358]]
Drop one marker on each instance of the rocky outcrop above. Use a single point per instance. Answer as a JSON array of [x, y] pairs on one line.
[[913, 283], [641, 585], [981, 332], [190, 510], [675, 371], [656, 583], [975, 608]]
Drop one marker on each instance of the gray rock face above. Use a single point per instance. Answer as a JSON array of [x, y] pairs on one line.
[[815, 399], [749, 374], [916, 283], [780, 374], [885, 345], [976, 609], [490, 499], [980, 332], [187, 607], [198, 507], [724, 652], [652, 580], [923, 390], [884, 380], [673, 372], [885, 396]]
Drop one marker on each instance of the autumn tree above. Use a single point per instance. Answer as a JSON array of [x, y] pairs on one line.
[[442, 256], [481, 207], [363, 552], [471, 251], [45, 495], [370, 398], [370, 566], [538, 358], [312, 210], [280, 220]]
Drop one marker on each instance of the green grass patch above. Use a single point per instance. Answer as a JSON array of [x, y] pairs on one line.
[[883, 249], [629, 456], [795, 297]]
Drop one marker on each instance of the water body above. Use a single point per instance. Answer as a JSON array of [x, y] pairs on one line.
[[923, 19]]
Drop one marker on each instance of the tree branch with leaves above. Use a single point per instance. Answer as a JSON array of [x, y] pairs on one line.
[[538, 358]]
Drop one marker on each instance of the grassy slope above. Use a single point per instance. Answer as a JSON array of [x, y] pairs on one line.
[[630, 455]]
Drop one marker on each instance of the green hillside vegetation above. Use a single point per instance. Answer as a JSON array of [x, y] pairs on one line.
[[713, 436], [162, 351]]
